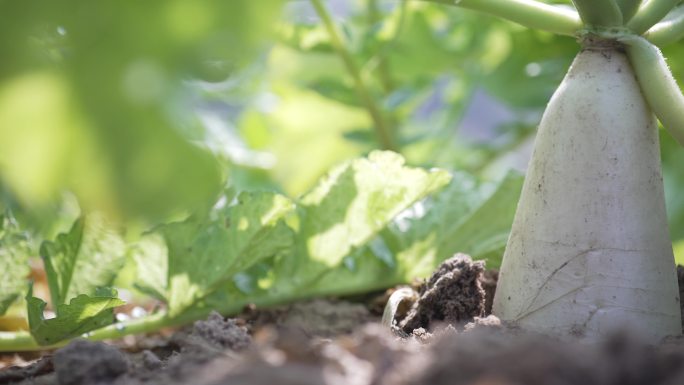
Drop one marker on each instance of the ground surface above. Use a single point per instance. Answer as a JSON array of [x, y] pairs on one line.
[[445, 337]]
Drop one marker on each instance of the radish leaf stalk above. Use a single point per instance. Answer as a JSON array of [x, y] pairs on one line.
[[668, 31], [628, 8], [599, 12], [650, 13], [658, 85], [530, 13]]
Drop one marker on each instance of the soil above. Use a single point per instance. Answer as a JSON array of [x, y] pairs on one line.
[[453, 295], [452, 340]]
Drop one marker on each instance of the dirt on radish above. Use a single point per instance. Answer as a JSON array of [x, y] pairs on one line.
[[454, 341]]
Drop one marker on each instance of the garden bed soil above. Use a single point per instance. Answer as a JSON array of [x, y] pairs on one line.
[[446, 337]]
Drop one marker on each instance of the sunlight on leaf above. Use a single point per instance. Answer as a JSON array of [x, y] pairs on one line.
[[203, 254]]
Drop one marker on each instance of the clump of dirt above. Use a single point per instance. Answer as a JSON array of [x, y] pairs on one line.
[[212, 336], [192, 349], [315, 318], [454, 294], [84, 362]]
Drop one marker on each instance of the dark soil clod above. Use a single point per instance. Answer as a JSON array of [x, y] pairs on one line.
[[84, 362], [453, 295], [220, 333]]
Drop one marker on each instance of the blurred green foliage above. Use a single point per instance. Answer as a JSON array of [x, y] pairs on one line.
[[146, 109], [91, 98]]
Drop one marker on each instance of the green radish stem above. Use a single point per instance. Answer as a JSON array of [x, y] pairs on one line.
[[657, 84], [532, 14], [605, 13], [628, 8], [383, 129], [668, 31], [649, 14]]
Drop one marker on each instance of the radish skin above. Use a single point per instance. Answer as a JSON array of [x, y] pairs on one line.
[[589, 251]]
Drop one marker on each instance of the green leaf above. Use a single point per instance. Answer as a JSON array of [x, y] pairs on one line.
[[202, 255], [346, 244], [89, 256], [350, 205], [14, 268], [83, 314], [151, 259], [465, 217]]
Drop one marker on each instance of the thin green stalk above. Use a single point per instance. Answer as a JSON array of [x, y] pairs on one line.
[[628, 8], [384, 72], [669, 30], [533, 14], [382, 127], [649, 14], [599, 13]]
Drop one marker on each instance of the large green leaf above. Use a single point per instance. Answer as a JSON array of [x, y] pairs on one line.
[[86, 258], [350, 206], [372, 223], [467, 216], [14, 268], [203, 254], [337, 228], [83, 314]]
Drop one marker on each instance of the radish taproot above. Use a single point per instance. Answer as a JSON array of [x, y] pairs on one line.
[[589, 251]]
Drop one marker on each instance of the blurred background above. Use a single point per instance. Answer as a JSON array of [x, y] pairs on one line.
[[149, 110]]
